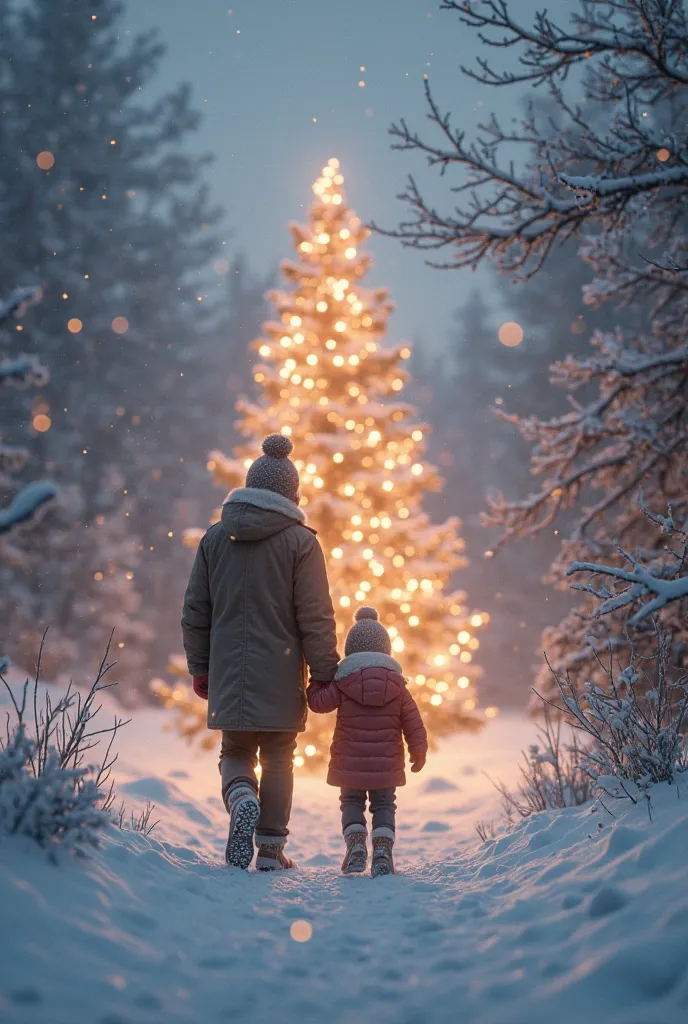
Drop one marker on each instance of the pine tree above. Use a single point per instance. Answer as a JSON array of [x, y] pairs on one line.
[[328, 383], [19, 371], [101, 204]]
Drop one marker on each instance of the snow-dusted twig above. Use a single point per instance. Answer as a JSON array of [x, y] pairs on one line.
[[137, 823], [551, 775]]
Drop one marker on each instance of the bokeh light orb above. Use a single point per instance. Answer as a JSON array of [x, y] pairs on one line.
[[510, 334], [41, 423], [120, 325], [45, 160], [301, 931]]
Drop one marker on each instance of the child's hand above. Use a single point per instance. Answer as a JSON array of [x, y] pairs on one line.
[[200, 686], [417, 762]]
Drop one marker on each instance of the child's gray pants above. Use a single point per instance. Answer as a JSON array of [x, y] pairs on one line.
[[383, 806]]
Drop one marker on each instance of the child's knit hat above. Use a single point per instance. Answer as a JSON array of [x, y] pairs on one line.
[[367, 634], [273, 470]]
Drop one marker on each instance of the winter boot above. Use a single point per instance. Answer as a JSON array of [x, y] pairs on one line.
[[271, 855], [244, 810], [356, 858], [383, 862]]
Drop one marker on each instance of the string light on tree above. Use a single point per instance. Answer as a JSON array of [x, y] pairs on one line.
[[329, 384]]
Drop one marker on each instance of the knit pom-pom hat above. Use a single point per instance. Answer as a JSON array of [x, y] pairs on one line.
[[274, 471], [367, 634]]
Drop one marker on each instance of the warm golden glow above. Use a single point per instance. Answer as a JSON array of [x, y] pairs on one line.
[[74, 325], [45, 160], [329, 382]]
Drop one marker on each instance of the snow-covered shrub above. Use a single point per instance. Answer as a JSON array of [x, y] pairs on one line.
[[551, 775], [48, 790], [58, 806], [634, 724]]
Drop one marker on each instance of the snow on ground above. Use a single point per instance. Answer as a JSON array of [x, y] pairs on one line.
[[574, 916]]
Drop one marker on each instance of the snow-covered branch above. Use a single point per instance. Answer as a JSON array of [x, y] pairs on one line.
[[633, 432], [18, 302], [634, 59], [651, 33], [23, 371], [25, 505], [651, 587]]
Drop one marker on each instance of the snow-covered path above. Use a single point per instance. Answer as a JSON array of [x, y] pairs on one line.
[[559, 921]]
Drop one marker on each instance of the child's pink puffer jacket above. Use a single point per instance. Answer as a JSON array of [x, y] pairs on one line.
[[375, 713]]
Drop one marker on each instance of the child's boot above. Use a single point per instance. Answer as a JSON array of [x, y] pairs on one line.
[[271, 855], [356, 857], [244, 810], [383, 842]]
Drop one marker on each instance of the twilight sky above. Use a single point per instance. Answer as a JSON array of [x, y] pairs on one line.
[[277, 81]]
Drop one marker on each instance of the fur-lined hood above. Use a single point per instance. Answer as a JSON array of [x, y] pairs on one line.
[[369, 678], [366, 659], [251, 513]]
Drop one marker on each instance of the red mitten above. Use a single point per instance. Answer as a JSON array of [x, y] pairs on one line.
[[417, 761], [200, 686]]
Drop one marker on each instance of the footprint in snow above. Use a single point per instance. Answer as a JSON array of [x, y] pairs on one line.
[[319, 860], [607, 901], [438, 785]]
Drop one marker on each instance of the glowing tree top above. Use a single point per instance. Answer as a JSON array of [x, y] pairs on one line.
[[329, 384]]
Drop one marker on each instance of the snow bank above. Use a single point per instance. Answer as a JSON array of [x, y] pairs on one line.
[[574, 916]]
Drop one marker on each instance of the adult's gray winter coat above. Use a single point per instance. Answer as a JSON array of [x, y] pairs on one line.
[[257, 611]]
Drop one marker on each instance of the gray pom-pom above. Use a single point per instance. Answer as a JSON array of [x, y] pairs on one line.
[[365, 612], [277, 446]]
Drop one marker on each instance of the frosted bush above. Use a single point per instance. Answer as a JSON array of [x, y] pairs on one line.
[[633, 725], [48, 790], [551, 775], [58, 806]]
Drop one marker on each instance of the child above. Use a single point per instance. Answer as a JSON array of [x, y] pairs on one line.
[[374, 711]]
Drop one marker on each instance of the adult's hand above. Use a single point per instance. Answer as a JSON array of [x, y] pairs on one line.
[[200, 686]]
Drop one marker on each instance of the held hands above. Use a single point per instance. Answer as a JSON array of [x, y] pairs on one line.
[[200, 686], [417, 761]]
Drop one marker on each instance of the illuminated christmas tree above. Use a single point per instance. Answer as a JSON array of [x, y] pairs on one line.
[[335, 391]]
